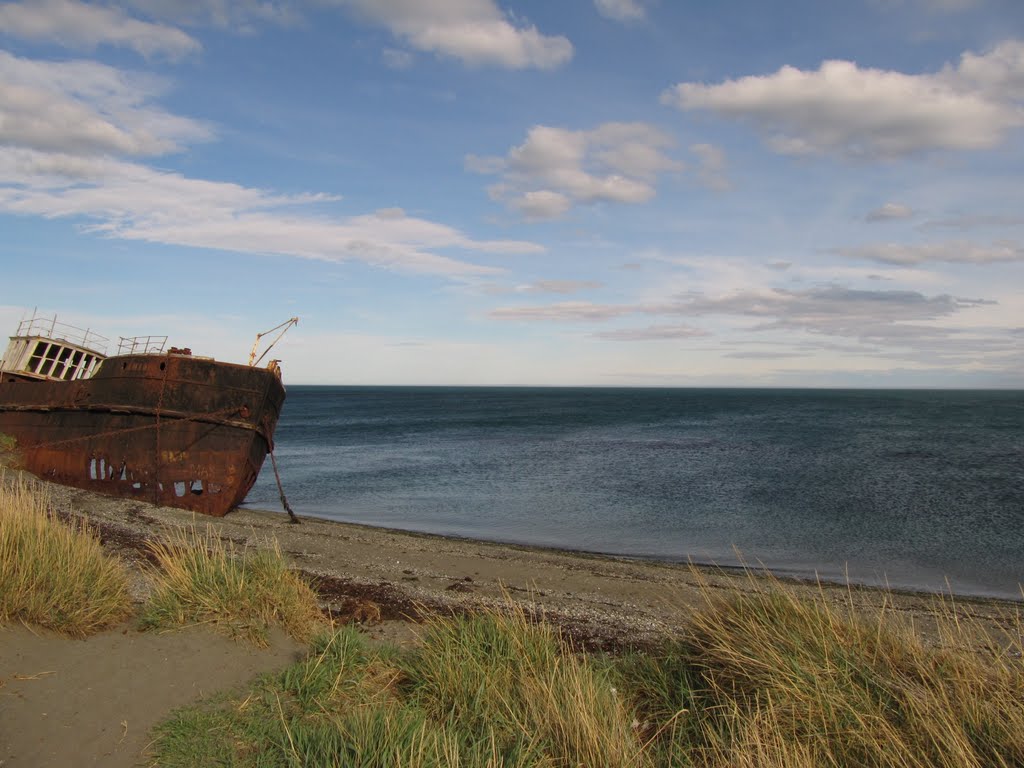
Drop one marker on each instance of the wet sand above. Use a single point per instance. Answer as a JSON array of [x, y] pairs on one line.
[[386, 580]]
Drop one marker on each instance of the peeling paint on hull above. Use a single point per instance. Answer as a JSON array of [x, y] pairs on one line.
[[171, 429]]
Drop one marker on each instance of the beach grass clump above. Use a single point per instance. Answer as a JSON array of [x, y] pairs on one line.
[[55, 574], [785, 680], [202, 580], [515, 685]]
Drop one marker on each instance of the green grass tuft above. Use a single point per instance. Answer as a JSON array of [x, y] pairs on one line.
[[200, 580], [53, 574]]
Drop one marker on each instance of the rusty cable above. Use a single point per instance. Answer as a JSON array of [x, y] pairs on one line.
[[280, 488]]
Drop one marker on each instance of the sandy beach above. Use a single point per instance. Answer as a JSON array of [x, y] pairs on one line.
[[93, 702]]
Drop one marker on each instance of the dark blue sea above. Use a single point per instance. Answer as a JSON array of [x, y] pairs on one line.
[[917, 489]]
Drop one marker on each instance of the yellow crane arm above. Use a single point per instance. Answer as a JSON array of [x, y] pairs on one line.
[[283, 327]]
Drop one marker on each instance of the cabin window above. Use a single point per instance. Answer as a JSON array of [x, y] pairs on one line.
[[59, 366], [60, 362], [50, 359], [72, 366], [37, 356], [86, 368]]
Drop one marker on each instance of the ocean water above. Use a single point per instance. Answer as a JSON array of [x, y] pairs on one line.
[[917, 489]]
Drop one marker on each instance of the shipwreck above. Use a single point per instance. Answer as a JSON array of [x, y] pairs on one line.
[[159, 425]]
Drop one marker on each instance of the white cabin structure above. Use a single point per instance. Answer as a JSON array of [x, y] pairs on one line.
[[47, 350]]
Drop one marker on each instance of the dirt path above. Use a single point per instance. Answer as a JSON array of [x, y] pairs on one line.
[[93, 702]]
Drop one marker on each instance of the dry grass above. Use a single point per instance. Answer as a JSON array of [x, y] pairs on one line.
[[515, 687], [790, 681], [53, 574], [202, 580]]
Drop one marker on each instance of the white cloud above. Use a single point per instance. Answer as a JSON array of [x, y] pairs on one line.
[[621, 10], [556, 168], [132, 202], [873, 113], [998, 73], [474, 31], [65, 126], [889, 212], [75, 24], [956, 251], [82, 107], [540, 204]]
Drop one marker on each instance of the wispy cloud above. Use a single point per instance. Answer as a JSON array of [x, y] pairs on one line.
[[559, 286], [873, 113], [565, 311], [890, 212], [237, 15], [653, 333], [132, 202], [974, 221], [557, 168], [87, 108], [475, 32], [621, 10], [870, 316], [956, 252], [64, 125], [80, 25]]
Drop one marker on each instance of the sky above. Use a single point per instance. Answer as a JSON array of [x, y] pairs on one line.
[[800, 193]]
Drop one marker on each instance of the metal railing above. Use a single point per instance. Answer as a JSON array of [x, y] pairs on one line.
[[141, 345], [50, 328]]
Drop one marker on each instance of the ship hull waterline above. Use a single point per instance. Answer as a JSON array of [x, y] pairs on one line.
[[169, 429]]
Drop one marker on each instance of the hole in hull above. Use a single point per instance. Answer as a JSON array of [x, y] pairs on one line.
[[179, 489]]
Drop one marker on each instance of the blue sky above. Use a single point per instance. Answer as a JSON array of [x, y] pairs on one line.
[[582, 192]]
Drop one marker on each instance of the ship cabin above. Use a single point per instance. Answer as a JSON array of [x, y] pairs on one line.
[[46, 350]]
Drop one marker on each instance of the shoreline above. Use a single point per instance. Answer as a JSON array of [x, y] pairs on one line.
[[389, 579], [783, 574]]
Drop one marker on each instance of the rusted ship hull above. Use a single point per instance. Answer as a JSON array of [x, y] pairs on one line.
[[166, 428]]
